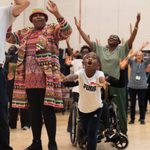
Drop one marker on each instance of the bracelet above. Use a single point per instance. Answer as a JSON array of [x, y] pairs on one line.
[[60, 19], [136, 28]]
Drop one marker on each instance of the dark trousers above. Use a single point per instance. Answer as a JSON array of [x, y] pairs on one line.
[[38, 113], [105, 116], [4, 127], [147, 99], [24, 117], [141, 93], [120, 101], [90, 124]]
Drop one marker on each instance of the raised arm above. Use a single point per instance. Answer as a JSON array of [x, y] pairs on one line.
[[64, 30], [134, 32], [144, 44], [70, 50], [9, 36], [147, 62], [83, 34], [123, 63], [52, 8], [19, 6], [132, 53]]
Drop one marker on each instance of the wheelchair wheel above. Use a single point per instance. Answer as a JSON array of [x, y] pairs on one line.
[[122, 142], [82, 145], [74, 125]]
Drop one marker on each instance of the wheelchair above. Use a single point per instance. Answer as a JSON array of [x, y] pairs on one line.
[[118, 139]]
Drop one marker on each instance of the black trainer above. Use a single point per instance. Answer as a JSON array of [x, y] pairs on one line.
[[142, 121], [131, 122], [52, 146], [36, 145]]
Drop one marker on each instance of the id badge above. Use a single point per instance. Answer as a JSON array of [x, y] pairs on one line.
[[138, 78]]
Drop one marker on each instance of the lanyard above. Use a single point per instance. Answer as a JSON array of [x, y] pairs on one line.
[[138, 68]]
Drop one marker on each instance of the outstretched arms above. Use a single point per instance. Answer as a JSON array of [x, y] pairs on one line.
[[134, 32], [71, 77], [117, 82], [84, 35], [19, 6]]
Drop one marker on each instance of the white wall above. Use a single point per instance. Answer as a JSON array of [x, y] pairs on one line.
[[100, 18]]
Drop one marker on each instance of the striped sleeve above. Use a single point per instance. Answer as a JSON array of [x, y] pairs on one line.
[[21, 34], [63, 30]]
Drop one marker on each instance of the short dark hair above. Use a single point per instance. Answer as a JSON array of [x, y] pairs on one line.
[[68, 51], [116, 37], [85, 47]]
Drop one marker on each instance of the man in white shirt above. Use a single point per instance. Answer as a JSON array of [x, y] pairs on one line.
[[7, 16]]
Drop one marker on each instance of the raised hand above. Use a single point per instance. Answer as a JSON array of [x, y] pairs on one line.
[[52, 7], [18, 6], [98, 41], [77, 23], [123, 63], [103, 82], [131, 54], [103, 85], [138, 17], [144, 44]]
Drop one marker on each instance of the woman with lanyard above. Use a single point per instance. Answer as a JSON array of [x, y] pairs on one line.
[[138, 85]]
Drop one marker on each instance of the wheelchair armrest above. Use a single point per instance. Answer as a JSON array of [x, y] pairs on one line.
[[111, 97]]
